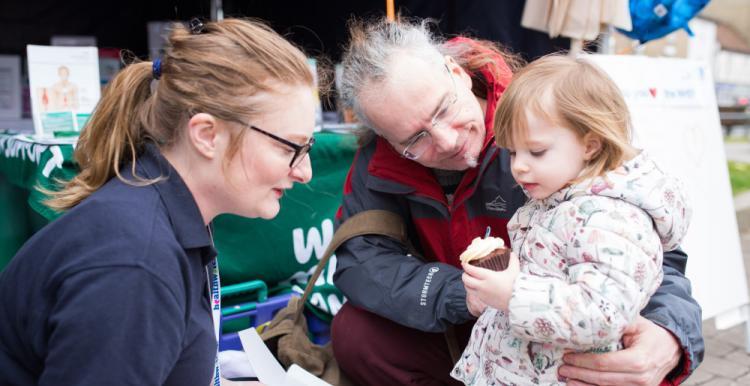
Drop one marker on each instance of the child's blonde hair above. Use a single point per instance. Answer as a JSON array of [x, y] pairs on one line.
[[572, 93]]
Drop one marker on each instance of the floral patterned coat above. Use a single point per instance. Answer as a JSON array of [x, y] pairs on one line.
[[591, 256]]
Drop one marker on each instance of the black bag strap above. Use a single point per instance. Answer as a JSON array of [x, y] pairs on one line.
[[372, 222]]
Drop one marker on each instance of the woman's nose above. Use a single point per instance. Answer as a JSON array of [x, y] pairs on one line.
[[302, 173]]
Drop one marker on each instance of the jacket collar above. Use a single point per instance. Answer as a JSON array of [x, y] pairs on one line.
[[183, 212]]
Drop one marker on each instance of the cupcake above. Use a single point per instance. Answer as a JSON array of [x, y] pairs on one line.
[[488, 252]]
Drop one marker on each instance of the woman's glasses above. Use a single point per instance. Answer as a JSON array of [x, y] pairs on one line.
[[300, 151]]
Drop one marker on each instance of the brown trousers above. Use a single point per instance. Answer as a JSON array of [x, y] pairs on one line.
[[373, 350]]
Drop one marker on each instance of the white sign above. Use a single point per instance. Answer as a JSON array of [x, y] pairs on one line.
[[675, 118], [64, 87]]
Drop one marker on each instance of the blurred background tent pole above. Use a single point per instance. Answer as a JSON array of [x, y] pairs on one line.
[[217, 10], [607, 39], [390, 11]]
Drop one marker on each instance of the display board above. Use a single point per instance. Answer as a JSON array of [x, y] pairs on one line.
[[676, 120]]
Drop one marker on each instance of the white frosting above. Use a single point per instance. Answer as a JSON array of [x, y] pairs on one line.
[[481, 247]]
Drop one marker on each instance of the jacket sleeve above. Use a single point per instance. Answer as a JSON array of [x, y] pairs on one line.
[[613, 265], [378, 274], [673, 308]]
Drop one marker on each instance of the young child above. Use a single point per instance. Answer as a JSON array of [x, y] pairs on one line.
[[590, 239]]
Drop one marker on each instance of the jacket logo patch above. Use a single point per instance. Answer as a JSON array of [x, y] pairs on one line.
[[497, 205]]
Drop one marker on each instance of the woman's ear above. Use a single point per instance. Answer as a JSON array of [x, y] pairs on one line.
[[592, 144], [203, 133]]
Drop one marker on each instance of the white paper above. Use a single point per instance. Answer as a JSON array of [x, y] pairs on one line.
[[234, 364], [10, 87], [297, 376], [64, 87], [268, 370]]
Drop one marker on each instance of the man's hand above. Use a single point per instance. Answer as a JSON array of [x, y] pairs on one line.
[[491, 287], [650, 353]]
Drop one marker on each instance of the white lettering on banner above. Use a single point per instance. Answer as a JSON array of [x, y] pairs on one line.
[[56, 161], [316, 299], [13, 148], [299, 280], [303, 250], [331, 269], [334, 303], [302, 277]]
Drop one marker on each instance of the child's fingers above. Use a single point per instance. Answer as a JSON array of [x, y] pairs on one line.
[[477, 272], [470, 282]]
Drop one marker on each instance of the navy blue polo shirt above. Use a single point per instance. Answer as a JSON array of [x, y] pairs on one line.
[[113, 292]]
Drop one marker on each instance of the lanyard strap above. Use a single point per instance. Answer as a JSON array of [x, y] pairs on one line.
[[214, 291]]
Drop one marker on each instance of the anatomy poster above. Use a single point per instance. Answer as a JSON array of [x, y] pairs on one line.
[[64, 86]]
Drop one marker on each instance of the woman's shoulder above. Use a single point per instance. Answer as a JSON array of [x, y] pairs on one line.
[[104, 232], [120, 204], [119, 220]]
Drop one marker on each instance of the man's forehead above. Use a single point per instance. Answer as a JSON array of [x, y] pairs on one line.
[[409, 70]]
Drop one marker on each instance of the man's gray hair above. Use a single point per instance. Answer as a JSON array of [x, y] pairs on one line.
[[372, 47]]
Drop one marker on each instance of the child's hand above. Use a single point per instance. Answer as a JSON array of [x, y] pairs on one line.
[[491, 287], [475, 306]]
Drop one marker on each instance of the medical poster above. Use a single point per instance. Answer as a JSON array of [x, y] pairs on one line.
[[64, 87]]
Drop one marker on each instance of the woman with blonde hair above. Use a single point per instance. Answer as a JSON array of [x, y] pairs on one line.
[[123, 288]]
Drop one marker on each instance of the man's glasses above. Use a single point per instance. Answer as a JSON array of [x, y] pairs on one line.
[[300, 151], [419, 144]]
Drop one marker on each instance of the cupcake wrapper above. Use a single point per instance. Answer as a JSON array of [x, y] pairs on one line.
[[496, 261]]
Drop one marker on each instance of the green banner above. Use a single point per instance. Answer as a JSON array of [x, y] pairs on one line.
[[281, 252]]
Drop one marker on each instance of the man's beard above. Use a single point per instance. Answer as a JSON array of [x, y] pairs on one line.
[[471, 161]]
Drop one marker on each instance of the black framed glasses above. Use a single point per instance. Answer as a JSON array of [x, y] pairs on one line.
[[300, 151]]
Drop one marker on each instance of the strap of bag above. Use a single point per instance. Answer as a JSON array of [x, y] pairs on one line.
[[375, 221]]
